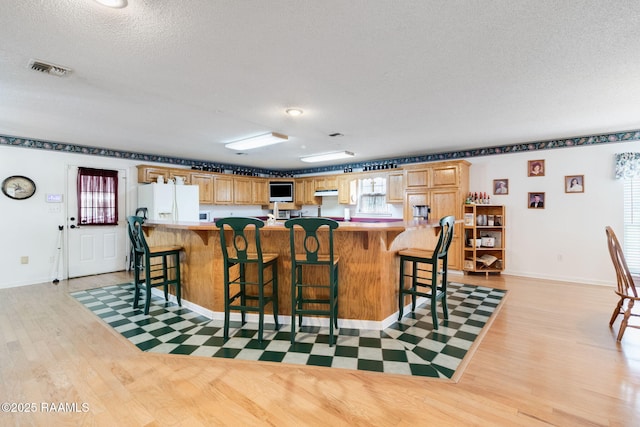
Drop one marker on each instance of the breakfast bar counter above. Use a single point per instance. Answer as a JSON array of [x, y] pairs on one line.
[[368, 277]]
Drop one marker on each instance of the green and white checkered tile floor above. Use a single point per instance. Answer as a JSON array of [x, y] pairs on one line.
[[409, 347]]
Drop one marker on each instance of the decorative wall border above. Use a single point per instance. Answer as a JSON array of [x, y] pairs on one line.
[[606, 138]]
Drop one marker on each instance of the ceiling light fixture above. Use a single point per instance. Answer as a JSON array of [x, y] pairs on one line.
[[116, 4], [327, 156], [294, 112], [257, 141]]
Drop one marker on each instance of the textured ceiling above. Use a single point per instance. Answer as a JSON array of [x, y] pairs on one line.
[[396, 78]]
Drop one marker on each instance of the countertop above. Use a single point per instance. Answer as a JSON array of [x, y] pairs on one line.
[[397, 226]]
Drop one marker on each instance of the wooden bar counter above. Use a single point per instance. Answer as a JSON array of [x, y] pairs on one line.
[[368, 278]]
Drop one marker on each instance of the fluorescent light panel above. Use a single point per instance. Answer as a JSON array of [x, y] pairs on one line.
[[327, 156], [116, 4], [257, 141]]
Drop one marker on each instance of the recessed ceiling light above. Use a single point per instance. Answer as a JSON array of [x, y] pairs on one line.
[[327, 156], [116, 4], [294, 112]]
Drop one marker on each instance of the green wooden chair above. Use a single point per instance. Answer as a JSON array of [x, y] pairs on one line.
[[427, 269], [309, 298], [152, 266], [241, 251]]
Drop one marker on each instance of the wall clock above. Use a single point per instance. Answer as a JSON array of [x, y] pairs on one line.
[[18, 187]]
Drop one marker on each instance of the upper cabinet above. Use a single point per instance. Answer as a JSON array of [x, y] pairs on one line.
[[437, 175], [205, 182], [445, 175], [259, 191], [417, 177], [223, 190], [149, 174], [309, 193], [242, 192], [327, 182], [180, 174], [347, 193], [395, 187]]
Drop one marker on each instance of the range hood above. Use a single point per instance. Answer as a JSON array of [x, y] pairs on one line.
[[326, 193]]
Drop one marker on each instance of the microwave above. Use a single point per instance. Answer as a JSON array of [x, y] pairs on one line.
[[284, 215], [206, 216]]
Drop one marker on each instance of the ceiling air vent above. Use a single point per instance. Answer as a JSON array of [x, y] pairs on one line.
[[48, 68]]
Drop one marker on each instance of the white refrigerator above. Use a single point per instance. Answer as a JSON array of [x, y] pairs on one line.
[[169, 202]]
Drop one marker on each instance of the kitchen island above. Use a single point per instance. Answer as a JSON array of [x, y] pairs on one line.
[[368, 277]]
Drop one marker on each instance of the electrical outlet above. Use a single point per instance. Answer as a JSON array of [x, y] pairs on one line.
[[24, 260]]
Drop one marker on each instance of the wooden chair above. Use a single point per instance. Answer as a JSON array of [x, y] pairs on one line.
[[626, 289], [313, 298], [242, 251], [428, 269], [160, 265]]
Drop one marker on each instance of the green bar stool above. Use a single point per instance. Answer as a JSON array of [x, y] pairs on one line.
[[427, 269], [160, 265], [305, 297], [241, 251]]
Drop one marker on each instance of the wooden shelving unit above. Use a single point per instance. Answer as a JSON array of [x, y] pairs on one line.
[[488, 222]]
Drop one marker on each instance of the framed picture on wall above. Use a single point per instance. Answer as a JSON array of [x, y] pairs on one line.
[[500, 186], [535, 168], [536, 200], [574, 184]]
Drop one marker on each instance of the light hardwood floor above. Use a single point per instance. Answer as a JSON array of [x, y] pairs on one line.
[[549, 358]]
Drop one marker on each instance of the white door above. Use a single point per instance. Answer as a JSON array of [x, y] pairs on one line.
[[95, 249]]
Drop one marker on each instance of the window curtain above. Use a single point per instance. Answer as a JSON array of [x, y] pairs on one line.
[[97, 191], [627, 165]]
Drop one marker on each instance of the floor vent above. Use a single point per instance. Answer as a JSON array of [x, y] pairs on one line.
[[48, 68]]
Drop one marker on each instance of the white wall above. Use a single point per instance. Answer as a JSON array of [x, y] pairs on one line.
[[564, 241], [29, 227]]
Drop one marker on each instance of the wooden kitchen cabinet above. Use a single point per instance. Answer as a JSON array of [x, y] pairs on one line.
[[204, 182], [304, 192], [347, 192], [223, 190], [148, 174], [259, 191], [445, 176], [328, 182], [242, 191], [442, 203], [442, 186], [395, 187], [298, 191], [417, 177], [309, 193], [185, 174]]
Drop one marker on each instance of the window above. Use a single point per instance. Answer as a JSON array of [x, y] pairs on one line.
[[97, 196], [373, 196], [631, 236]]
